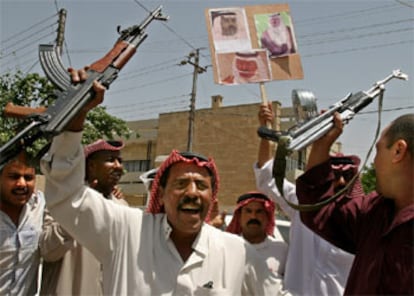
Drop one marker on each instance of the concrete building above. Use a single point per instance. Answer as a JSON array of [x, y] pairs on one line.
[[226, 133]]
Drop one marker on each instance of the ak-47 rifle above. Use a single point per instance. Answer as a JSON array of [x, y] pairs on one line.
[[305, 133], [315, 126], [71, 98]]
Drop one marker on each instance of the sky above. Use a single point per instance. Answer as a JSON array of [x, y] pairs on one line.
[[344, 47]]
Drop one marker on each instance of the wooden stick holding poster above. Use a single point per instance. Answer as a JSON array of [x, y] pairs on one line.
[[263, 96]]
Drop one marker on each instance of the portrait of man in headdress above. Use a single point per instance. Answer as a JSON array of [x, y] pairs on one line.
[[275, 34], [243, 67], [229, 29]]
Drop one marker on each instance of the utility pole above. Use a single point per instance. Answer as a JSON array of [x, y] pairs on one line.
[[61, 30], [194, 55]]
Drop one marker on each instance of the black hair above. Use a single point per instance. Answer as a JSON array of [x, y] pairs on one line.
[[252, 195], [402, 128], [188, 155]]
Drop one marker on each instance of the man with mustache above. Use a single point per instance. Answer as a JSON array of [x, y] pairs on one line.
[[168, 250], [224, 24], [69, 268], [313, 265], [254, 220], [104, 168], [21, 216]]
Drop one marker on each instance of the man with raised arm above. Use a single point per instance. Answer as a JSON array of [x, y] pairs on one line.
[[169, 250], [313, 265], [68, 267], [378, 228]]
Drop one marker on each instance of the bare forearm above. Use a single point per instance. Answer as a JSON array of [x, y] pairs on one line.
[[266, 117], [321, 148]]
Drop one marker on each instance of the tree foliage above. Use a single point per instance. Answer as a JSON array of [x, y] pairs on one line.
[[368, 178], [34, 90]]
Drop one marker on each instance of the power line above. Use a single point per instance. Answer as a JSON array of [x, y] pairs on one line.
[[353, 13], [148, 102], [175, 77], [404, 3], [26, 45], [360, 36], [164, 66], [332, 32], [358, 48], [352, 29], [169, 28], [24, 39], [18, 34], [388, 110]]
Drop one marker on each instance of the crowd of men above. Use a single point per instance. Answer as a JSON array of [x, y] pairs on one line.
[[92, 243]]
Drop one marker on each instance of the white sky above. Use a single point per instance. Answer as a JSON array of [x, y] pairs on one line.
[[345, 46]]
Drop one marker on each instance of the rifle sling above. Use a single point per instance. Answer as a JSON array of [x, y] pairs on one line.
[[279, 169]]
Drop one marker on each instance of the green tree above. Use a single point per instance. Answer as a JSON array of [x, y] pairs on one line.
[[368, 178], [34, 90]]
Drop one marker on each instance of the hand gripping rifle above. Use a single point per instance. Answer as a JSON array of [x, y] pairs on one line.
[[304, 134], [312, 126], [72, 98]]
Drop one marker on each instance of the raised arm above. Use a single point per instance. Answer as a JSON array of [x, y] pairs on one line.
[[321, 147], [77, 122], [265, 116], [264, 166], [80, 210]]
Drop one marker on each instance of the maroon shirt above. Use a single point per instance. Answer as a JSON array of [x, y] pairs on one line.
[[364, 225]]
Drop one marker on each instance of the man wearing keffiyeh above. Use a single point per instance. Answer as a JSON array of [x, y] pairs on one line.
[[254, 220], [68, 267], [313, 265], [167, 250]]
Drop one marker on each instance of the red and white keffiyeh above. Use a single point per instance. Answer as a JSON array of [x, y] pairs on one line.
[[154, 205], [269, 205]]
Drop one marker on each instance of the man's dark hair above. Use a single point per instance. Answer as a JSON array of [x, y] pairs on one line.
[[401, 128]]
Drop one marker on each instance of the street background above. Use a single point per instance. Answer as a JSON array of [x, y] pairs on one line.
[[345, 46]]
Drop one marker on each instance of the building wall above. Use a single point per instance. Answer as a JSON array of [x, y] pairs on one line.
[[140, 146], [228, 134]]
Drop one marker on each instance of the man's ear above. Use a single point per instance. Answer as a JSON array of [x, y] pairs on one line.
[[399, 150]]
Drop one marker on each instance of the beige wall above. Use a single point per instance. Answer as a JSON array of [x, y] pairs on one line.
[[228, 134], [140, 146]]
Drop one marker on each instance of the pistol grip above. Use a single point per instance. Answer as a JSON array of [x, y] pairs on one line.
[[53, 67]]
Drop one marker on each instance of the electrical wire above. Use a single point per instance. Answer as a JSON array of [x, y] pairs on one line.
[[159, 67]]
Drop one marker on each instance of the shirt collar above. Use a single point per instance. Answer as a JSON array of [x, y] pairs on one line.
[[200, 244], [403, 216]]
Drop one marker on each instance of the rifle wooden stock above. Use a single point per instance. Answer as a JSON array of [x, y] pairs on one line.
[[16, 111], [71, 97], [118, 56]]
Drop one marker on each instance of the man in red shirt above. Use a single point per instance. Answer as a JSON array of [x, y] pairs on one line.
[[378, 228]]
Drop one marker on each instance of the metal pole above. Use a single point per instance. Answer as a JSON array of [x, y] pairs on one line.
[[192, 103], [197, 70], [61, 30]]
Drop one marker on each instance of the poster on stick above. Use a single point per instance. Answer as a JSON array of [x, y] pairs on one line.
[[253, 44]]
